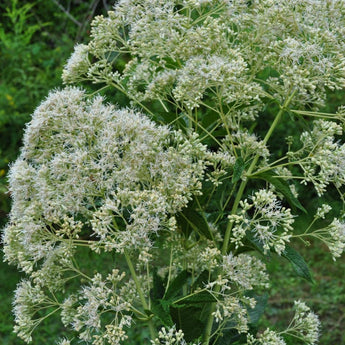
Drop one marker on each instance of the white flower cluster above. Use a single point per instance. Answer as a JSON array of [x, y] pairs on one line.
[[170, 336], [77, 64], [191, 50], [302, 41], [269, 221], [322, 157], [336, 243], [101, 297], [94, 178], [235, 309], [246, 271], [304, 326], [85, 160], [91, 175], [84, 311], [322, 211], [26, 301], [173, 55], [248, 144], [241, 273], [305, 323], [333, 236], [268, 337]]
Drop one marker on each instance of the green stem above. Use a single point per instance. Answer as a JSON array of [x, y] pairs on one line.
[[121, 89], [188, 296], [141, 294], [208, 329], [249, 172]]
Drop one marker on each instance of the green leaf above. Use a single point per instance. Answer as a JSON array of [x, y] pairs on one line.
[[230, 335], [197, 222], [161, 309], [255, 243], [176, 285], [190, 320], [216, 198], [158, 289], [298, 263], [256, 313], [201, 280], [238, 169], [183, 224], [283, 187]]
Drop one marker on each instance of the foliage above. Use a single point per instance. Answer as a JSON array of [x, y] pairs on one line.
[[181, 198]]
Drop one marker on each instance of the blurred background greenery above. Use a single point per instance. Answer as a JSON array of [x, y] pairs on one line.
[[36, 38]]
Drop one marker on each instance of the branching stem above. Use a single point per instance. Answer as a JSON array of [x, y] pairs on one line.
[[140, 292], [208, 329]]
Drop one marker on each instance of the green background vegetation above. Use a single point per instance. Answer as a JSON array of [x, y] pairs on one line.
[[36, 38]]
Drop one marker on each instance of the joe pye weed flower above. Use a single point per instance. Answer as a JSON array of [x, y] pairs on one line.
[[160, 216]]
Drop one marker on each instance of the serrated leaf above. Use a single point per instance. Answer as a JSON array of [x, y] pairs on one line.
[[238, 169], [201, 280], [283, 187], [161, 309], [231, 336], [197, 222], [190, 321], [157, 291], [298, 263], [176, 285], [256, 313], [183, 224]]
